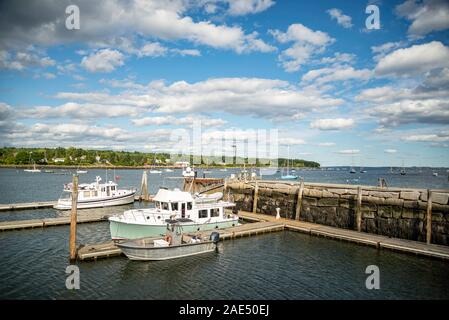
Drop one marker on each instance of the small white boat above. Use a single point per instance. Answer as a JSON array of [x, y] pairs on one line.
[[96, 195], [81, 171], [188, 172], [435, 174], [155, 171], [34, 170], [168, 170], [224, 170], [174, 245]]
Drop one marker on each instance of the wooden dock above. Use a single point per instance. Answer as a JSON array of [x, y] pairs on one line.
[[378, 241], [44, 204], [108, 249], [265, 223], [41, 223], [28, 205]]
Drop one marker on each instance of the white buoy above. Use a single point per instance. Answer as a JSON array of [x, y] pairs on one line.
[[278, 216]]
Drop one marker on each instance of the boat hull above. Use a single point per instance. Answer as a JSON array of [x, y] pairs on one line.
[[166, 253], [66, 204], [121, 230]]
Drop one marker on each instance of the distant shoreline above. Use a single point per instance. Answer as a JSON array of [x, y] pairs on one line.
[[50, 166]]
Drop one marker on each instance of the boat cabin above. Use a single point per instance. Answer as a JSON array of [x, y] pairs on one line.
[[182, 204]]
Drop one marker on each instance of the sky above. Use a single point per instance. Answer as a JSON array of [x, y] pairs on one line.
[[140, 75]]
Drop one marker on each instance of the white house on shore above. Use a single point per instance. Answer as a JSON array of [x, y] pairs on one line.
[[58, 160]]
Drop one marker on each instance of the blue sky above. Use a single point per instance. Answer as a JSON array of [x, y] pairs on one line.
[[136, 72]]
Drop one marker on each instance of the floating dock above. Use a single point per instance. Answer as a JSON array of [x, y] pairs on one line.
[[108, 249], [41, 223], [44, 204], [265, 223]]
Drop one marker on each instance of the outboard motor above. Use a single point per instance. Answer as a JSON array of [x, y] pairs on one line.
[[215, 237]]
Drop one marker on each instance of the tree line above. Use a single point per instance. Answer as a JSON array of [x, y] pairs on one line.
[[80, 157]]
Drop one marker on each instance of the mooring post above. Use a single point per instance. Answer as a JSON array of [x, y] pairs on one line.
[[144, 186], [429, 217], [299, 200], [256, 197], [359, 209], [73, 216]]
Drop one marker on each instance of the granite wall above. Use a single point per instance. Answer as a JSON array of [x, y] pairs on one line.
[[393, 212]]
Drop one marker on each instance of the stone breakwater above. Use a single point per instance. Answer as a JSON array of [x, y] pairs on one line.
[[393, 212]]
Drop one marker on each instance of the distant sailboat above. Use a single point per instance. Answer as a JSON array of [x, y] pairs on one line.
[[403, 173], [352, 170], [289, 176], [34, 170]]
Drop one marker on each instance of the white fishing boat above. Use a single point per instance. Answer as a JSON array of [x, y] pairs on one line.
[[154, 171], [193, 212], [95, 195], [168, 170], [176, 244], [188, 172]]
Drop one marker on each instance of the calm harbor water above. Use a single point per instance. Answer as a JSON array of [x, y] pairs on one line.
[[283, 265]]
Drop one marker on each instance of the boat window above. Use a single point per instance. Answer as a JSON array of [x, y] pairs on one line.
[[94, 193], [102, 189], [86, 194], [215, 212], [189, 205], [202, 214], [174, 206], [164, 205], [113, 188]]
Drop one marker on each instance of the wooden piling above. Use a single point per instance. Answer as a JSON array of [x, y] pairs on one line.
[[429, 217], [144, 186], [299, 200], [256, 197], [73, 216], [359, 209]]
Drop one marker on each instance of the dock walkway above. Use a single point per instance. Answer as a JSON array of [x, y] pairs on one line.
[[41, 223], [378, 241]]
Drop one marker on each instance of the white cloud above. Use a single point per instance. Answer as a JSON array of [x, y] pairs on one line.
[[244, 7], [390, 151], [336, 73], [23, 59], [427, 103], [430, 111], [151, 19], [306, 43], [240, 96], [439, 137], [170, 120], [339, 58], [342, 19], [349, 151], [187, 52], [326, 144], [382, 50], [332, 124], [105, 60], [152, 49], [75, 110], [426, 16], [414, 60]]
